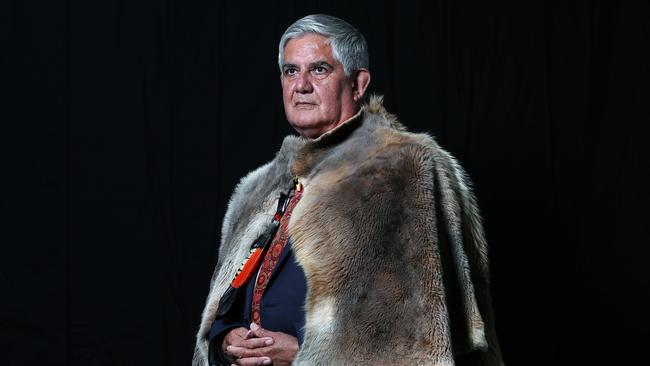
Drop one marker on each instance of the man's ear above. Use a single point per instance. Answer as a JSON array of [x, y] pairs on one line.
[[360, 82]]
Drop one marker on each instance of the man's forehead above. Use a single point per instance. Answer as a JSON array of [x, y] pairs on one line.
[[309, 48]]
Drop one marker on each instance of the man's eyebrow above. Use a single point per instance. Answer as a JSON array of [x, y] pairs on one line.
[[286, 66], [316, 64]]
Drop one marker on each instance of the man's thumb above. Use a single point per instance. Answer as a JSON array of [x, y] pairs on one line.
[[259, 331]]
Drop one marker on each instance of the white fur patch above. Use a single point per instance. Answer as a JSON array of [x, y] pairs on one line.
[[321, 318], [478, 338]]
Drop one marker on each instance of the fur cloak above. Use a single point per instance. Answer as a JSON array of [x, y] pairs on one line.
[[390, 239]]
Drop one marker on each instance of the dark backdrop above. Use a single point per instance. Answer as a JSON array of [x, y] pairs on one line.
[[126, 125]]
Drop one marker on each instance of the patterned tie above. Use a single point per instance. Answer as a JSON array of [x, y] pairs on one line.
[[271, 258]]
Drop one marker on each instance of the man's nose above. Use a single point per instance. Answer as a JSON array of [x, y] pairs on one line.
[[303, 83]]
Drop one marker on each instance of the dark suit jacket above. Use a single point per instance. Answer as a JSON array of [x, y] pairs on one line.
[[281, 308]]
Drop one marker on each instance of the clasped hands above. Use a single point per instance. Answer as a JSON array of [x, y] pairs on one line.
[[259, 346]]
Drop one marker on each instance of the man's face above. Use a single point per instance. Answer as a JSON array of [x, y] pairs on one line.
[[317, 95]]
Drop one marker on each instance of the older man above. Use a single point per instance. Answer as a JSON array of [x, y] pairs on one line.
[[359, 243]]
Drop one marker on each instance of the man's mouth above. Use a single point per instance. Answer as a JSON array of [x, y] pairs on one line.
[[304, 105]]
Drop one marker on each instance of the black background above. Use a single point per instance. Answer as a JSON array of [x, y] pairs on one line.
[[126, 125]]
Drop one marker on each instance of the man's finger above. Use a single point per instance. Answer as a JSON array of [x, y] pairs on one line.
[[251, 361], [253, 342], [242, 352]]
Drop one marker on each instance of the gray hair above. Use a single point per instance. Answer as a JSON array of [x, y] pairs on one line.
[[348, 45]]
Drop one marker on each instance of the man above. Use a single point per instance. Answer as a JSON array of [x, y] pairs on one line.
[[375, 254]]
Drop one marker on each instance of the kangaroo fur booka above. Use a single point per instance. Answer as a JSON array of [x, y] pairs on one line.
[[390, 238]]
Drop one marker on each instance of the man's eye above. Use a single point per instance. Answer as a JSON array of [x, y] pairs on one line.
[[290, 72], [320, 70]]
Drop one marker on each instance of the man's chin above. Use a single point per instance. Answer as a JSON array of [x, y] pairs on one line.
[[304, 119], [306, 125], [308, 128]]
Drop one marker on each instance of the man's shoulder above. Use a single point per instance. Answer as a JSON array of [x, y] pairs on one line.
[[251, 179], [416, 149], [392, 134]]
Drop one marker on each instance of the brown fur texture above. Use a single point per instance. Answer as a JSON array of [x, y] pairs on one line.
[[390, 238]]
